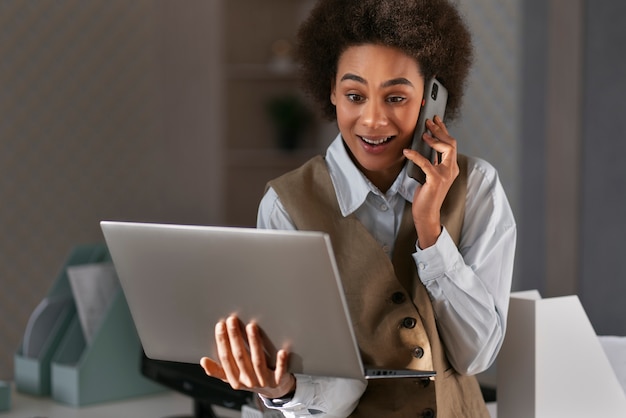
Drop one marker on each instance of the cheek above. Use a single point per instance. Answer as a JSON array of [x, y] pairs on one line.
[[408, 123], [346, 115], [409, 119]]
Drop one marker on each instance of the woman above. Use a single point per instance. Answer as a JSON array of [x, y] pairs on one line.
[[426, 268]]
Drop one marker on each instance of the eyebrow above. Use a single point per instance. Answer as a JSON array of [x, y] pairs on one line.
[[388, 83]]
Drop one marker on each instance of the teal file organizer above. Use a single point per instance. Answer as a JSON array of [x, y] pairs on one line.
[[33, 374], [105, 370], [5, 396]]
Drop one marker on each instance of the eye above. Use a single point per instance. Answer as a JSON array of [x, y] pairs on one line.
[[355, 98], [396, 99]]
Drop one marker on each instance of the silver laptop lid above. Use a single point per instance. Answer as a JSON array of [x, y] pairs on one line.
[[180, 280]]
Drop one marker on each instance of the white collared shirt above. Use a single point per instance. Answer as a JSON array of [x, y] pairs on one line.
[[469, 286]]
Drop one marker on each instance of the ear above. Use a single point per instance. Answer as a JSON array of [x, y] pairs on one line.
[[333, 94]]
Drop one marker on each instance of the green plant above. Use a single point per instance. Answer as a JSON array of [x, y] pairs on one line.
[[291, 117]]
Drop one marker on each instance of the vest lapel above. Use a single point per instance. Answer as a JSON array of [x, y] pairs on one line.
[[403, 248]]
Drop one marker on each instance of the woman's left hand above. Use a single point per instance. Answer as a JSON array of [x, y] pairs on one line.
[[440, 175], [242, 363]]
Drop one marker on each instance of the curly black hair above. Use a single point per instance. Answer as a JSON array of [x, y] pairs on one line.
[[431, 31]]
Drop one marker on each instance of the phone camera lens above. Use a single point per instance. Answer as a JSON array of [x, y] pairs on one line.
[[434, 91]]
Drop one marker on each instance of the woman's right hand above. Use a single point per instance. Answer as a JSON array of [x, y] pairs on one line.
[[244, 365], [440, 175]]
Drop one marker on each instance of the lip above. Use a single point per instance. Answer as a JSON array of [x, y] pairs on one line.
[[373, 148]]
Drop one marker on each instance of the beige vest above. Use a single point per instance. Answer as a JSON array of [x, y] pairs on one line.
[[390, 308]]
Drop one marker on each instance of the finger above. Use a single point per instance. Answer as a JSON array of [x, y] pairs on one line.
[[212, 369], [437, 144], [439, 132], [224, 354], [240, 352], [416, 157], [257, 353], [282, 362], [446, 161], [441, 141], [439, 122]]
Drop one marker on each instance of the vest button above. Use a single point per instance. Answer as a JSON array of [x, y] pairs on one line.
[[428, 413], [398, 298], [409, 322], [418, 352]]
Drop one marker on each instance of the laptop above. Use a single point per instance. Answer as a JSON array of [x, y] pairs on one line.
[[179, 280]]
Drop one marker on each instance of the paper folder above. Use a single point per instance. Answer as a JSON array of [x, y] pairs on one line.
[[63, 365]]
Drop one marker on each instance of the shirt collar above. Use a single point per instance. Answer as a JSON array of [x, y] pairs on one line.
[[352, 187]]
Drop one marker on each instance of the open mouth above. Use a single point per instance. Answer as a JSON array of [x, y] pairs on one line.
[[376, 141]]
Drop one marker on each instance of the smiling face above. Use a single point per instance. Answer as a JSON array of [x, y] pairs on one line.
[[377, 94]]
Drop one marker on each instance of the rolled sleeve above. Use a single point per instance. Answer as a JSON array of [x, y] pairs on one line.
[[326, 397]]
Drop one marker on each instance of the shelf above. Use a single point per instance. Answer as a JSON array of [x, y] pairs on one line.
[[257, 66]]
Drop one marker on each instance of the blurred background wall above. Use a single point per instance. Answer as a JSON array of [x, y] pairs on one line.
[[158, 110], [106, 112]]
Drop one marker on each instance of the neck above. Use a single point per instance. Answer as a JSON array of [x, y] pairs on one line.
[[382, 179]]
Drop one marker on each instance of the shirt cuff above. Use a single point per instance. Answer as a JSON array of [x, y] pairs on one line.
[[438, 259], [330, 397], [303, 396]]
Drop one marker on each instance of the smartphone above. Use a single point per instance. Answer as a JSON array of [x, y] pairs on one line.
[[433, 103]]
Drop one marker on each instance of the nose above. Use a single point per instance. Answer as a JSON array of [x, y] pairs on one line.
[[374, 114]]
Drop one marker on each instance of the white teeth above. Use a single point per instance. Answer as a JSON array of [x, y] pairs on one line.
[[375, 142]]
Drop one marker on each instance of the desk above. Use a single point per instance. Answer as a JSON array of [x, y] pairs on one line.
[[166, 404]]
